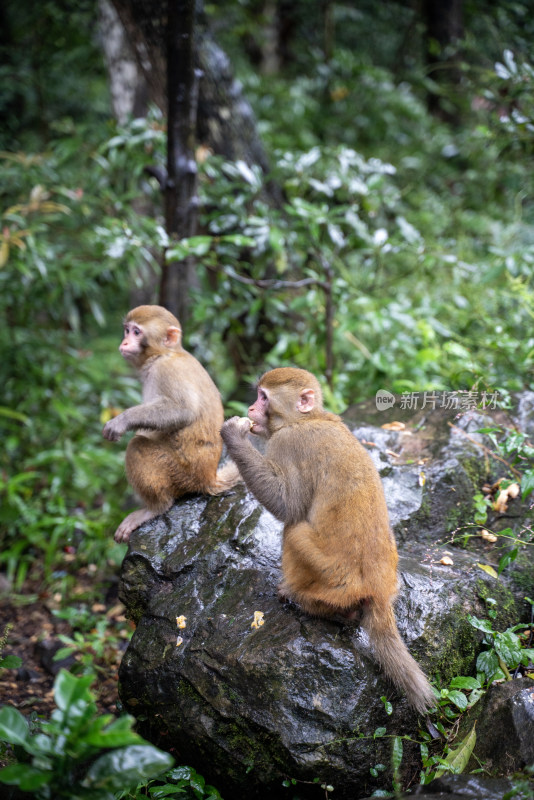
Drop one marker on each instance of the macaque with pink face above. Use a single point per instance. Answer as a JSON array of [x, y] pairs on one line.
[[177, 445], [339, 557]]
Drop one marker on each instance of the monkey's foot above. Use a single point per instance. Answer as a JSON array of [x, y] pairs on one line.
[[133, 521], [284, 594]]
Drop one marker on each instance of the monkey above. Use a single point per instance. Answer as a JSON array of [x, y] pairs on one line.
[[339, 557], [177, 445]]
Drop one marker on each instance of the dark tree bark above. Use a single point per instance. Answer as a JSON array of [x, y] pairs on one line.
[[181, 200], [127, 85], [225, 121], [444, 32]]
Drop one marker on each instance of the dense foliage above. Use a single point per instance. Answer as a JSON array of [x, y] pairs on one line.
[[420, 234]]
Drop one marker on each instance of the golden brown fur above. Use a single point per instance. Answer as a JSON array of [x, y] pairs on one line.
[[338, 555], [177, 446]]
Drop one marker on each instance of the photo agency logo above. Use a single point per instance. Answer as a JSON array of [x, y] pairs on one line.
[[461, 400], [384, 400]]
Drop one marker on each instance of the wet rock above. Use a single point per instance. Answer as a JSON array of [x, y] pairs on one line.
[[505, 727], [299, 698], [460, 787], [46, 649]]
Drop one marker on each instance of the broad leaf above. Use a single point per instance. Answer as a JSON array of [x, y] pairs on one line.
[[68, 689], [480, 624], [508, 647], [13, 726], [463, 682], [27, 778], [126, 767], [458, 698], [458, 758]]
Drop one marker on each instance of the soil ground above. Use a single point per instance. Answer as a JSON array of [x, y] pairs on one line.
[[33, 635]]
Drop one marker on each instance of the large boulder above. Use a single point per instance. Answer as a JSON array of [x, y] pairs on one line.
[[252, 705]]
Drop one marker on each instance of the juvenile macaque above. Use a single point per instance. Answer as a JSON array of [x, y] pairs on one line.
[[339, 556], [177, 446]]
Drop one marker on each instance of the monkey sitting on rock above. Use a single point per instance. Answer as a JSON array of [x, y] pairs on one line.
[[177, 446], [338, 554]]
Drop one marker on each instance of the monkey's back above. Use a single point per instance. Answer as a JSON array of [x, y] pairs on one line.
[[191, 453], [346, 516]]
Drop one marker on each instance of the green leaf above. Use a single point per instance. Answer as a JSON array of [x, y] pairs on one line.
[[508, 646], [379, 732], [458, 758], [480, 624], [26, 777], [68, 689], [239, 240], [387, 705], [458, 698], [527, 483], [397, 753], [63, 652], [194, 245], [10, 662], [488, 663], [118, 734], [168, 790], [13, 727], [182, 773], [475, 696], [11, 414], [462, 682], [126, 767], [507, 559]]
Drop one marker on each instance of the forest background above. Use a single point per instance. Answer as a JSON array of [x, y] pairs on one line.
[[359, 203]]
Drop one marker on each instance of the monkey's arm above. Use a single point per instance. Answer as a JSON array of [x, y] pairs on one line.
[[159, 414], [260, 475]]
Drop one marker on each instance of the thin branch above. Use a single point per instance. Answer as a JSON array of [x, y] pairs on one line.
[[275, 284], [326, 286], [487, 450]]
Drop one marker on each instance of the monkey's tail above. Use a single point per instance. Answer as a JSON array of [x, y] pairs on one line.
[[394, 658], [227, 477]]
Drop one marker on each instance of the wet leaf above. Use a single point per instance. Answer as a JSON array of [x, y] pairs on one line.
[[458, 699], [527, 483], [488, 569], [463, 682], [508, 647], [458, 758], [480, 624], [397, 753], [127, 766]]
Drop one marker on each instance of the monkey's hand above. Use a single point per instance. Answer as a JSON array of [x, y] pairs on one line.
[[235, 428], [114, 429]]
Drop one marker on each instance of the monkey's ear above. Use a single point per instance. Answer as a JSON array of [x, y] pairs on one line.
[[173, 336], [306, 401]]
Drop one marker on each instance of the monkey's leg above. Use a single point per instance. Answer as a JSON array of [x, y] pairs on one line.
[[134, 520], [149, 469], [320, 582]]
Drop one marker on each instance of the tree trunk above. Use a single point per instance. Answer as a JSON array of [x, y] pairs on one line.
[[181, 200], [444, 31], [225, 121], [127, 85]]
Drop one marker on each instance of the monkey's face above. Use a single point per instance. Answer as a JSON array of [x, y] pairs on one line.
[[258, 413], [133, 341]]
